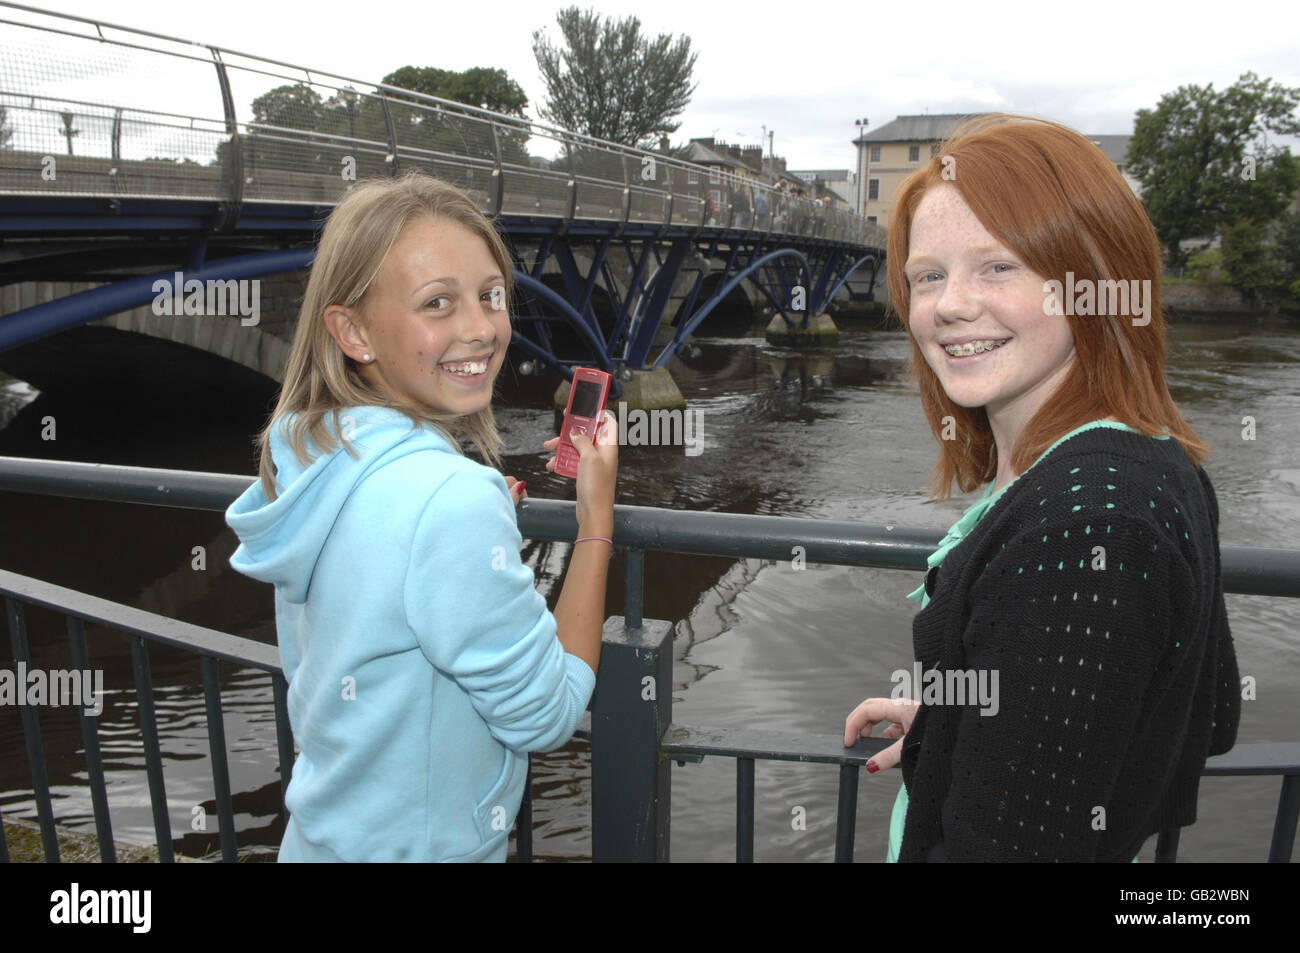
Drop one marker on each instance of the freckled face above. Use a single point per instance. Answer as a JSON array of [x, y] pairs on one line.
[[969, 291], [436, 328]]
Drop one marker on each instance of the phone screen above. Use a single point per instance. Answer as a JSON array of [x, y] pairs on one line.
[[586, 398]]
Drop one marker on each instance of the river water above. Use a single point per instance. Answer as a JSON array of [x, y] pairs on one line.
[[758, 643]]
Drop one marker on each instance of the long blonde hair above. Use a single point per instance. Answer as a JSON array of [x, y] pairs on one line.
[[320, 378]]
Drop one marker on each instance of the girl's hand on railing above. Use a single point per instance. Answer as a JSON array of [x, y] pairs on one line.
[[516, 488], [899, 712]]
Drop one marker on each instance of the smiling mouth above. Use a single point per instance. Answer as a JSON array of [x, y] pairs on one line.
[[975, 347], [467, 368]]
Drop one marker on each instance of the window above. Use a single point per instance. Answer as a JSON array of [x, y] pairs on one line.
[[871, 219], [692, 177], [875, 153], [913, 153], [873, 189], [714, 176]]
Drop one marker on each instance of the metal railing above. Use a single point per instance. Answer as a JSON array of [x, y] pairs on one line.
[[633, 740], [125, 113]]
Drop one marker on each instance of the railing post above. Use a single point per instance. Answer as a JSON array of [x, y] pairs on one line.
[[630, 712], [390, 131], [1288, 810], [634, 587], [32, 734], [498, 180], [1167, 846], [228, 211]]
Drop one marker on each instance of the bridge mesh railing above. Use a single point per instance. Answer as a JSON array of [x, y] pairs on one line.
[[92, 109]]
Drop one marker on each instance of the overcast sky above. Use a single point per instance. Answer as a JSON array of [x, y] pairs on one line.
[[805, 70]]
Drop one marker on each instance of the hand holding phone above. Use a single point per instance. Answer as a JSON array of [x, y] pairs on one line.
[[587, 395]]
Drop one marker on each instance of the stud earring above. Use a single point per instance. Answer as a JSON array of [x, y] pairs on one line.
[[366, 358]]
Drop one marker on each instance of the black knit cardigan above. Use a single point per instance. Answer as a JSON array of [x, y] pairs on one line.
[[1093, 588]]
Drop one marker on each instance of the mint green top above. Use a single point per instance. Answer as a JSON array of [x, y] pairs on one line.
[[956, 533]]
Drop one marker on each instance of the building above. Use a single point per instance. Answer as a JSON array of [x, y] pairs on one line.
[[744, 161], [837, 187], [890, 154], [1116, 149]]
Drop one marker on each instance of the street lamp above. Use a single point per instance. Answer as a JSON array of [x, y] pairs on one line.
[[862, 163]]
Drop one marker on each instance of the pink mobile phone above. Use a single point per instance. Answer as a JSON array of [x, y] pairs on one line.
[[587, 393]]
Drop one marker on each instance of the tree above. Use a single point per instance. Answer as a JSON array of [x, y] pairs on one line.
[[1264, 261], [611, 82], [6, 130], [295, 106], [1204, 159], [478, 86]]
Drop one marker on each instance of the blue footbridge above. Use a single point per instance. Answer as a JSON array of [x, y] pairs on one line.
[[129, 157]]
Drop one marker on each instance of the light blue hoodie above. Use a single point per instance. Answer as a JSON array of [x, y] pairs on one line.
[[422, 663]]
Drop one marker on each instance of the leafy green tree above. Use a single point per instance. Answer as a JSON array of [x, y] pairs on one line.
[[1246, 261], [478, 86], [295, 106], [1263, 261], [1205, 266], [1204, 159], [611, 82], [466, 134], [1287, 251]]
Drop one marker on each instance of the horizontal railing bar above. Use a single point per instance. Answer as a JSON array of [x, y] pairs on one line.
[[1272, 757], [762, 745], [96, 481], [108, 40], [148, 625], [1246, 570], [110, 110], [1259, 758]]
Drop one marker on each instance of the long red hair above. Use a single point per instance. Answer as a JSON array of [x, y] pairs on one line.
[[1053, 198]]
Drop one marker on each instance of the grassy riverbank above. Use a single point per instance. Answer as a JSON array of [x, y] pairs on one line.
[[75, 847]]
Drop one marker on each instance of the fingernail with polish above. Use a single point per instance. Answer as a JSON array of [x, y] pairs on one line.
[[872, 767]]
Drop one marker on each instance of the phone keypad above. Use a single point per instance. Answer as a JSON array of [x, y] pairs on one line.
[[566, 454]]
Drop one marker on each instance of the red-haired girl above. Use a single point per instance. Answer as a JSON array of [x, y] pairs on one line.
[[1084, 582]]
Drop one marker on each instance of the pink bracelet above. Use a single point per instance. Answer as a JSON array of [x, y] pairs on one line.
[[604, 539]]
